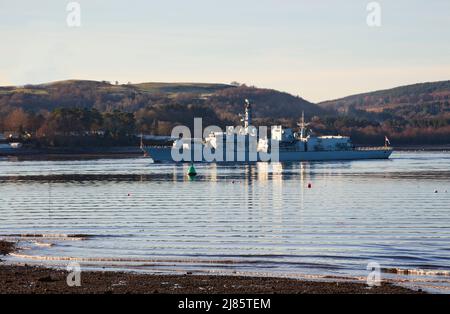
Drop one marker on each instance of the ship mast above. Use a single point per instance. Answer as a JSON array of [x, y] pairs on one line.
[[247, 118], [302, 126], [248, 114]]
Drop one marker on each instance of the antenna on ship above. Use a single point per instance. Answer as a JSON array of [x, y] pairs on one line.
[[142, 146], [247, 118], [248, 114]]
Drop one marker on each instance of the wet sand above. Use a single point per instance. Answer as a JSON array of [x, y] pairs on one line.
[[39, 280]]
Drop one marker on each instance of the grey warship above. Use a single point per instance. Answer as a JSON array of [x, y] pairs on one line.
[[247, 145]]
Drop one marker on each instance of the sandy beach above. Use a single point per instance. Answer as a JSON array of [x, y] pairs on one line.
[[24, 279]]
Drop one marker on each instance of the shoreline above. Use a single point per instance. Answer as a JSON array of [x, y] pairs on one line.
[[25, 279], [68, 153], [132, 151], [425, 148]]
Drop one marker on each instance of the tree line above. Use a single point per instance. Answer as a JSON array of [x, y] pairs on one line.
[[111, 113], [159, 120], [68, 121]]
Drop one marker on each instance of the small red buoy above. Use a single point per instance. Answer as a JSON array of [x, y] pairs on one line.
[[309, 185], [129, 194]]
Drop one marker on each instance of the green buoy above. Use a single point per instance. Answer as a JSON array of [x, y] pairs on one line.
[[191, 171]]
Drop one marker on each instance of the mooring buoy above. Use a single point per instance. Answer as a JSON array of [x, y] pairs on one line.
[[191, 171]]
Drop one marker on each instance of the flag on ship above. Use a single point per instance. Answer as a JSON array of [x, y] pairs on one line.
[[386, 140]]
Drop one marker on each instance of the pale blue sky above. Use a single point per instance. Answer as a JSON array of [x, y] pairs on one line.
[[316, 49]]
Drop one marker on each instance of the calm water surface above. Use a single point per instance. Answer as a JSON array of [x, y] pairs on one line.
[[259, 219]]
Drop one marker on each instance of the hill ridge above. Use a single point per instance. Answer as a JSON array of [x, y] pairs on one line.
[[417, 93]]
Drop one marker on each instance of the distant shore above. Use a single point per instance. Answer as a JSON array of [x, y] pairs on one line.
[[72, 152], [134, 151], [423, 147], [40, 280]]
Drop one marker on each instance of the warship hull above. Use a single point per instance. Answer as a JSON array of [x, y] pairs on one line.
[[164, 154]]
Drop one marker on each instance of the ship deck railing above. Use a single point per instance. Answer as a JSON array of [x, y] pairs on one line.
[[374, 148]]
